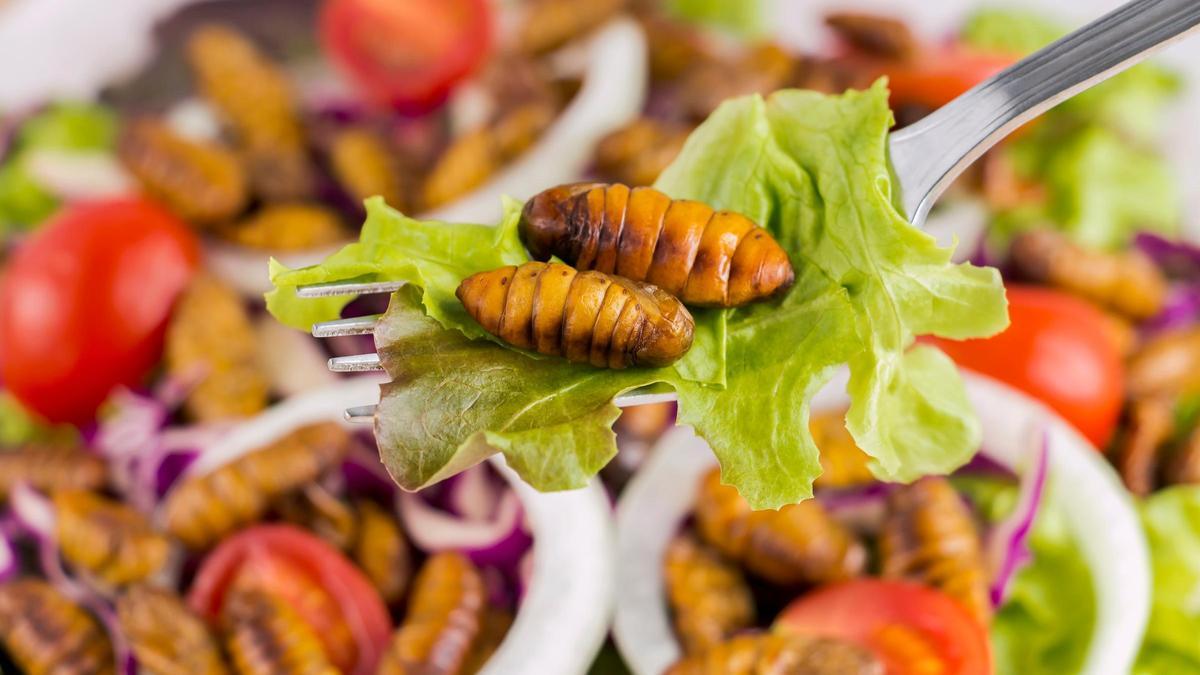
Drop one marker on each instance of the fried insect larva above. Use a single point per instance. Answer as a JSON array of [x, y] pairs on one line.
[[780, 654], [799, 543], [109, 539], [288, 227], [202, 509], [549, 24], [705, 257], [588, 317], [51, 468], [645, 422], [843, 463], [366, 165], [1183, 465], [1127, 282], [45, 633], [762, 69], [496, 623], [874, 34], [256, 101], [382, 551], [321, 512], [638, 152], [676, 48], [201, 182], [1151, 420], [265, 636], [211, 337], [930, 537], [443, 620], [707, 594], [166, 637], [1167, 364]]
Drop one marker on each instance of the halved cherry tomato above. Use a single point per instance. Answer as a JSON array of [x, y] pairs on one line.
[[85, 301], [327, 590], [407, 54], [1058, 349], [913, 629], [939, 75]]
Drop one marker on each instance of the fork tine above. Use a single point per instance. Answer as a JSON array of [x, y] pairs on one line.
[[357, 325], [363, 414], [348, 287], [355, 364]]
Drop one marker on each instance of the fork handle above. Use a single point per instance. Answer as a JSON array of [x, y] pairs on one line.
[[930, 154]]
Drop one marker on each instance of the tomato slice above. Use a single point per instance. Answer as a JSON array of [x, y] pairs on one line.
[[85, 301], [327, 590], [913, 629], [407, 54], [1058, 349], [939, 75]]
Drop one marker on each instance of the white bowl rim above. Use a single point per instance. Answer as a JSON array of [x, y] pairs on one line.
[[659, 498], [573, 564]]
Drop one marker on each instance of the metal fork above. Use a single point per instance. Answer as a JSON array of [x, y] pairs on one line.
[[928, 155]]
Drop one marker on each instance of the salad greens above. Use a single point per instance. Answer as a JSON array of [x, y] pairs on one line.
[[1093, 154], [745, 17], [1172, 521], [813, 170]]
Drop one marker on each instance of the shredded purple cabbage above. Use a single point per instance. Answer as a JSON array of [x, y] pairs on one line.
[[1008, 542], [1181, 309], [1178, 259]]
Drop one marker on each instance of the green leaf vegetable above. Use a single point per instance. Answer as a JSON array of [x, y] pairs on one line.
[[1172, 522], [1094, 153], [813, 170], [744, 17]]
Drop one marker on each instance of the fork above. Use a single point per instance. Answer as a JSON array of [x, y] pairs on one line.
[[927, 156]]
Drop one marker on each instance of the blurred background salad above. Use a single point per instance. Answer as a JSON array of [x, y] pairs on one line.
[[155, 153]]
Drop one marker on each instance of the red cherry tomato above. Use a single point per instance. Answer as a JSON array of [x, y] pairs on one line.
[[913, 629], [85, 301], [325, 588], [937, 76], [407, 54], [1058, 349]]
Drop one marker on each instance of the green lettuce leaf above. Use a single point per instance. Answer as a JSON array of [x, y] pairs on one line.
[[1045, 626], [811, 168], [1011, 31], [743, 17], [1172, 521]]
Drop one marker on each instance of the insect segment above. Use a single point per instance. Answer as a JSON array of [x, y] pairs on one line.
[[202, 182], [366, 165], [1151, 422], [202, 509], [704, 257], [47, 469], [780, 654], [443, 621], [638, 152], [1166, 365], [166, 637], [322, 513], [256, 102], [799, 543], [708, 595], [549, 24], [761, 69], [1183, 464], [929, 537], [211, 338], [109, 539], [843, 463], [382, 551], [44, 632], [588, 317], [265, 636], [496, 622], [288, 226], [874, 34], [1128, 282]]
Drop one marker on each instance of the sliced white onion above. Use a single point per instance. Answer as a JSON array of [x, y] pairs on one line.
[[73, 176], [433, 530], [292, 361], [8, 560], [474, 495], [195, 119], [34, 511]]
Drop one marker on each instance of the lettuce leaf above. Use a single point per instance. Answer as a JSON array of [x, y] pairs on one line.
[[1172, 521], [811, 168], [744, 17]]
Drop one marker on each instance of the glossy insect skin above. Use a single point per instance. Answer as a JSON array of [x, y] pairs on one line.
[[638, 152], [202, 509], [382, 551], [265, 636], [47, 469], [549, 24], [588, 317], [109, 539], [1127, 282], [166, 637], [1150, 423], [878, 35], [322, 513], [762, 69], [780, 654], [708, 595], [929, 537], [443, 621], [288, 226], [211, 338], [366, 165], [256, 102], [799, 543], [704, 257], [1166, 365], [201, 182], [843, 463], [45, 633]]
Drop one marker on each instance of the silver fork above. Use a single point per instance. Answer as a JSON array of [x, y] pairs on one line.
[[928, 155]]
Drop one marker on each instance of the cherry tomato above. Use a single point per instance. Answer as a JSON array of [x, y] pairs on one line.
[[911, 628], [1058, 349], [408, 54], [85, 301], [937, 76], [325, 588]]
